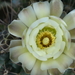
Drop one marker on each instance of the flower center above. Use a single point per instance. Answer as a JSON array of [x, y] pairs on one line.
[[45, 39]]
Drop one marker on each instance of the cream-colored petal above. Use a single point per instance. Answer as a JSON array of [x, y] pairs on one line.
[[70, 20], [57, 63], [56, 8], [15, 52], [27, 16], [58, 20], [42, 9], [54, 72], [72, 33], [71, 51], [16, 28], [49, 64], [66, 37], [60, 51], [64, 62], [37, 70], [14, 43], [27, 60]]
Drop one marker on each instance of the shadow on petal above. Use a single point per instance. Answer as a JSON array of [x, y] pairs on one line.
[[54, 72], [16, 28], [15, 52], [72, 33]]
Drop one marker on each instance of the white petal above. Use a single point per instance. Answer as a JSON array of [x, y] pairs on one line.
[[27, 60], [71, 51], [54, 72], [15, 52], [37, 71], [42, 9], [70, 20], [72, 33], [41, 53], [57, 63], [16, 28], [14, 43], [27, 16], [56, 7]]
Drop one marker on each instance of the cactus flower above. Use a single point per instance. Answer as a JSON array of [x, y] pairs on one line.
[[45, 47]]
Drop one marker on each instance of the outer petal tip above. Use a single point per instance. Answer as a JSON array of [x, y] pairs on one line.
[[16, 28], [42, 9], [27, 60], [27, 16], [56, 8], [15, 52], [70, 20]]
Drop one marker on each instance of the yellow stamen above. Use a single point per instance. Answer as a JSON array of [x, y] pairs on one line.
[[45, 39]]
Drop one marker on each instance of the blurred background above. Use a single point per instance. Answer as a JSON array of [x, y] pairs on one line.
[[9, 10]]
